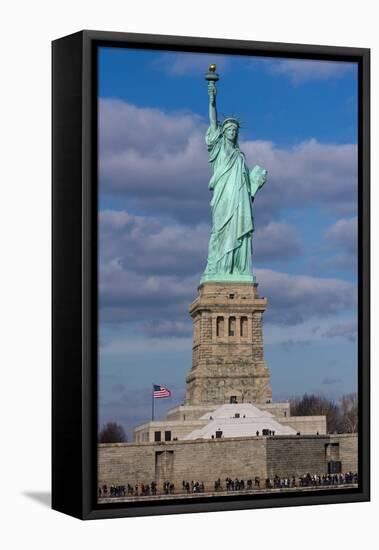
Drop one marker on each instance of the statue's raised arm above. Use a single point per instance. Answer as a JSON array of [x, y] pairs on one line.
[[212, 78], [212, 105]]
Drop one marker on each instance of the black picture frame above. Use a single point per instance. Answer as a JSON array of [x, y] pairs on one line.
[[74, 272]]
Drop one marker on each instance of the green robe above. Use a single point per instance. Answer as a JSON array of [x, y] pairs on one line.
[[233, 186]]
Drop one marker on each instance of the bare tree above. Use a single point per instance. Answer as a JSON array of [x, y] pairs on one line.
[[315, 405], [112, 433], [349, 412]]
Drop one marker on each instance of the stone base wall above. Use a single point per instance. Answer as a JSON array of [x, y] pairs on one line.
[[279, 409], [178, 429], [348, 450], [305, 424], [202, 461], [207, 460], [295, 456], [193, 412], [189, 412]]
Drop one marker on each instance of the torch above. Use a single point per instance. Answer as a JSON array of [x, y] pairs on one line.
[[211, 75]]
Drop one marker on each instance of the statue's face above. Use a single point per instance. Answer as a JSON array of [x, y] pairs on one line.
[[231, 132]]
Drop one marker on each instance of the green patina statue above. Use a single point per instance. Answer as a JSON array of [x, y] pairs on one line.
[[234, 187]]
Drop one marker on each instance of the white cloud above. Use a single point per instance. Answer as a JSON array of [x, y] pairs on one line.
[[150, 245], [184, 63], [296, 298], [342, 330], [344, 233], [159, 160], [276, 241], [304, 333], [126, 296], [156, 246], [150, 267], [146, 345], [340, 248], [304, 70], [168, 328], [308, 174], [123, 126]]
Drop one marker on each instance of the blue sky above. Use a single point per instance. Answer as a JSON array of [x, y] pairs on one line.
[[300, 122]]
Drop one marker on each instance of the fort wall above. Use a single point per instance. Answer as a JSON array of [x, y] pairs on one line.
[[207, 460]]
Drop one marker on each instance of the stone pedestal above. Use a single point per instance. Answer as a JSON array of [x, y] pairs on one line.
[[227, 357]]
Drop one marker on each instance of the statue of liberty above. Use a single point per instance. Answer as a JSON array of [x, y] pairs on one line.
[[234, 187]]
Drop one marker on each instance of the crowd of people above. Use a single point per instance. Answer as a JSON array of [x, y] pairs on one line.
[[193, 487], [143, 490], [146, 489], [328, 479], [229, 484], [236, 484]]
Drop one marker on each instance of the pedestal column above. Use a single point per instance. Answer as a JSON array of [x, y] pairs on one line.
[[228, 365]]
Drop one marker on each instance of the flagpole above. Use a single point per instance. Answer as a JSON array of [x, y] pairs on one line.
[[152, 403]]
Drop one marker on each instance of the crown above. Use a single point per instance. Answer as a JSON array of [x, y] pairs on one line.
[[232, 120]]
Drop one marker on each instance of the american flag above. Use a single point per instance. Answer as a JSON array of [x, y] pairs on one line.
[[161, 391]]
